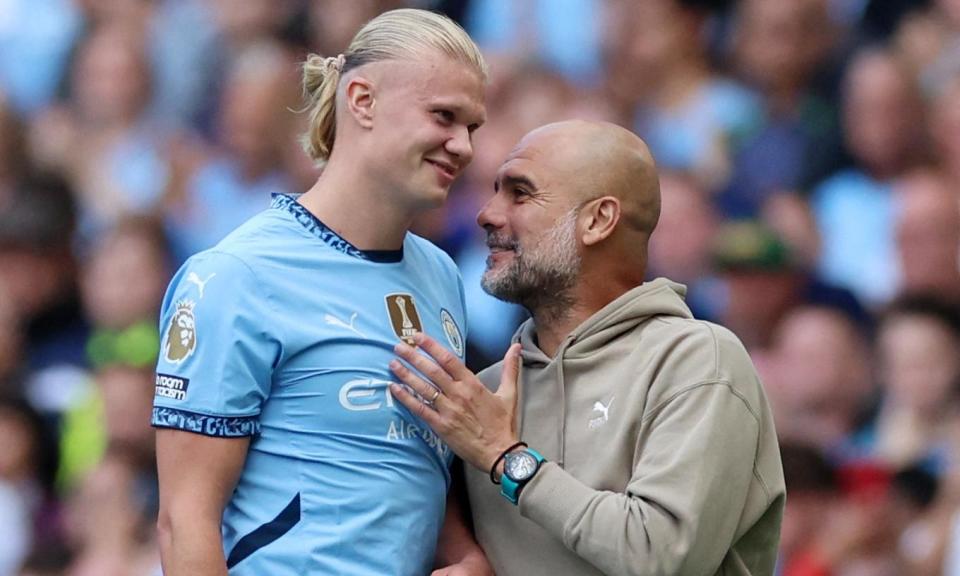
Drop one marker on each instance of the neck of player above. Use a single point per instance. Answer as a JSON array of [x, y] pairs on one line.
[[368, 218]]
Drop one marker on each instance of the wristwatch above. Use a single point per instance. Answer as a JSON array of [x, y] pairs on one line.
[[518, 468]]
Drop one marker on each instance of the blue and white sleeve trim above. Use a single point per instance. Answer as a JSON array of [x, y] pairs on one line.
[[217, 426]]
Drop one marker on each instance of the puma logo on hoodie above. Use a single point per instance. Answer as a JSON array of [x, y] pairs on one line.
[[604, 411]]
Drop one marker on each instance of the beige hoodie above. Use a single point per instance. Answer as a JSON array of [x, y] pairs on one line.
[[662, 453]]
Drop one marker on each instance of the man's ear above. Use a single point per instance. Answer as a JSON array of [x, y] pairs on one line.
[[360, 96], [600, 218]]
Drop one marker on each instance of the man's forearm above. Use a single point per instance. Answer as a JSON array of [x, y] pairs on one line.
[[191, 548]]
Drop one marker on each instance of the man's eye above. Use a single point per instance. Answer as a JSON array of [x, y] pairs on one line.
[[444, 116]]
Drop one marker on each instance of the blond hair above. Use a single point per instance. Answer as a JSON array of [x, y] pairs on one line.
[[404, 34]]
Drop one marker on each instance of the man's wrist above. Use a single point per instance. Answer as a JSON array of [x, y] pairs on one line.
[[496, 469]]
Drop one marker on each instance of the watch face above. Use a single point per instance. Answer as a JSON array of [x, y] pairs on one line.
[[520, 466]]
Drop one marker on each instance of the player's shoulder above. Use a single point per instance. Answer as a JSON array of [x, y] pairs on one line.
[[257, 239], [239, 255], [223, 261], [260, 233]]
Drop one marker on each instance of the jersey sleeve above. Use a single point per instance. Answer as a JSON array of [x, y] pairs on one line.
[[217, 349]]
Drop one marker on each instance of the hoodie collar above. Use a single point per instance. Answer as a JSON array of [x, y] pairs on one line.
[[657, 297]]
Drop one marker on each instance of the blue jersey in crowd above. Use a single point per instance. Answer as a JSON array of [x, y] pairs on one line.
[[284, 332]]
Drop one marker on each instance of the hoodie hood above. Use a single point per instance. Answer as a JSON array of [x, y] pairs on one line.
[[655, 298]]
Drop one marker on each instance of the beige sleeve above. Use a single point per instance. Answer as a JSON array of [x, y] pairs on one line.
[[684, 501]]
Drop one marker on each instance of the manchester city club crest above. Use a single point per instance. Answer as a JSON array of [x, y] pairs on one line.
[[452, 331], [181, 337]]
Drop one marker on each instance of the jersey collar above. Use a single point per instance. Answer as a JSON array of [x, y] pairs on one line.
[[308, 220]]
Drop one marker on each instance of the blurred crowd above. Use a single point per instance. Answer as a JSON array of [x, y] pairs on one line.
[[810, 169]]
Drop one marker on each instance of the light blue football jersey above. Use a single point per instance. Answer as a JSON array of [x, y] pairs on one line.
[[284, 332]]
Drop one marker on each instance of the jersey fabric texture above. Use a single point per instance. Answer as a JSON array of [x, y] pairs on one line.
[[284, 332]]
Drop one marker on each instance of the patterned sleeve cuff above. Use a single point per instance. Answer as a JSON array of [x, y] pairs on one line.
[[217, 426]]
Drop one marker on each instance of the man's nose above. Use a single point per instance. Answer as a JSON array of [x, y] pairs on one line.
[[492, 215]]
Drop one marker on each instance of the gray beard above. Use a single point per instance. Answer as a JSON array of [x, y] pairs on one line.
[[542, 278]]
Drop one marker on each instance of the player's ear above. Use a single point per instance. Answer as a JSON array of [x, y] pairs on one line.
[[360, 96], [598, 219]]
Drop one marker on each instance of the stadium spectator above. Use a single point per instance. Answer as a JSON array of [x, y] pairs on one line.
[[103, 138], [788, 213], [110, 523], [562, 34], [682, 247], [125, 275], [814, 492], [255, 124], [780, 47], [764, 280], [52, 560], [856, 208], [38, 273], [862, 538], [122, 281], [332, 21], [12, 362], [249, 24], [927, 235], [36, 37], [691, 117], [187, 56], [818, 377], [917, 345], [14, 159], [944, 125], [27, 467]]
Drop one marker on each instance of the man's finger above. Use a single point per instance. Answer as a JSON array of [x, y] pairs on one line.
[[436, 374], [415, 406], [510, 375], [426, 390], [450, 363]]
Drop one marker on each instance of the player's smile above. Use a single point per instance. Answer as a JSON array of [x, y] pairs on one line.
[[446, 171]]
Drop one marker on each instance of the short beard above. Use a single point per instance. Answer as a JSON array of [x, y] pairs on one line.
[[542, 278]]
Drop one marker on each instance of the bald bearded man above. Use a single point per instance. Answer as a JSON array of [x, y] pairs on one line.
[[648, 445]]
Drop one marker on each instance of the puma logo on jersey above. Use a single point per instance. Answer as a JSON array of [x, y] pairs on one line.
[[194, 279], [334, 321]]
